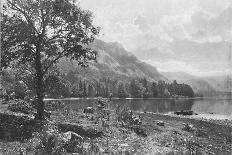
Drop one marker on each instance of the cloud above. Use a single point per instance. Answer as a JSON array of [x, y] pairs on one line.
[[192, 35], [141, 21]]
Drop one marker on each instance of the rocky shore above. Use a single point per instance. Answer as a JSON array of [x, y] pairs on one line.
[[156, 134]]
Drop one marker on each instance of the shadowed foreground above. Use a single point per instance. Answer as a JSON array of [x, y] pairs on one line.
[[103, 132]]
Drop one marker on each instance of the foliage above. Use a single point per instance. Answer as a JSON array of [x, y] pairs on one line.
[[60, 27], [20, 106], [78, 86], [180, 89], [136, 89], [15, 83], [39, 33], [56, 86], [60, 85], [121, 91], [17, 127]]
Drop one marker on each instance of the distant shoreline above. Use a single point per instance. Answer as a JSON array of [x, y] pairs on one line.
[[115, 98], [204, 116], [213, 118]]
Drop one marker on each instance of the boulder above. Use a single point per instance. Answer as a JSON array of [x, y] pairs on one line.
[[160, 123], [72, 136], [184, 112], [137, 121], [73, 142], [89, 110], [140, 131], [188, 127], [82, 131]]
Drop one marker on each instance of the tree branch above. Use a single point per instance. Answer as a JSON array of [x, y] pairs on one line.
[[53, 61], [43, 22], [57, 36], [16, 8]]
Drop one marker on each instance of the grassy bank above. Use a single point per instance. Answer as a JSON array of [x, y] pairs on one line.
[[158, 134]]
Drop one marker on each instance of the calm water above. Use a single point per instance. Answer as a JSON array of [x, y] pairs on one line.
[[217, 106]]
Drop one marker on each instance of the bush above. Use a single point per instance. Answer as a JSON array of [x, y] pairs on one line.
[[14, 127], [20, 106], [124, 115], [102, 102]]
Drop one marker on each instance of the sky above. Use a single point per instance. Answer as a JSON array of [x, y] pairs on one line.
[[192, 36]]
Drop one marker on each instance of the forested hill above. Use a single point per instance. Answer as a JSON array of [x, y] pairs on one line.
[[199, 85], [116, 73], [113, 59]]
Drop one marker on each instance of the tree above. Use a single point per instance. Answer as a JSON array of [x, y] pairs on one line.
[[56, 86], [145, 83], [91, 91], [133, 88], [121, 90], [136, 89], [154, 89], [40, 32], [161, 88]]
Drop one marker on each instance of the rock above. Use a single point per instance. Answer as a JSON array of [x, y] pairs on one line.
[[89, 110], [70, 135], [73, 142], [84, 132], [188, 127], [160, 123], [140, 132], [100, 107], [124, 145], [184, 112], [168, 145], [137, 121]]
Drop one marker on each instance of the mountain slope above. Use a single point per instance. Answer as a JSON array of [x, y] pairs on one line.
[[199, 85], [220, 83], [114, 60]]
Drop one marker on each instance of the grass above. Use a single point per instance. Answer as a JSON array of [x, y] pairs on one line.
[[206, 137]]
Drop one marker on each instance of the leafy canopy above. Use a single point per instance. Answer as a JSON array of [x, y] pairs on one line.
[[54, 28]]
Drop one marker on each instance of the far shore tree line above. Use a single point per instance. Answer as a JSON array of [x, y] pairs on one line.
[[59, 85]]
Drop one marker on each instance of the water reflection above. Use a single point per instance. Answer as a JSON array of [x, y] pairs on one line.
[[156, 105], [217, 106]]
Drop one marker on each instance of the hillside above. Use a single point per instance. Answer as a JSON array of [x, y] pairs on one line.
[[114, 60], [220, 83], [198, 84]]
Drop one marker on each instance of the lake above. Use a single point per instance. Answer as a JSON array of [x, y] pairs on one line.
[[200, 105]]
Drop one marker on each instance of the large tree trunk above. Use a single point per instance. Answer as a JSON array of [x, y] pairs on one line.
[[39, 86]]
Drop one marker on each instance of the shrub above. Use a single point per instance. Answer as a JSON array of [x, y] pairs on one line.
[[20, 106], [124, 115], [102, 102]]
